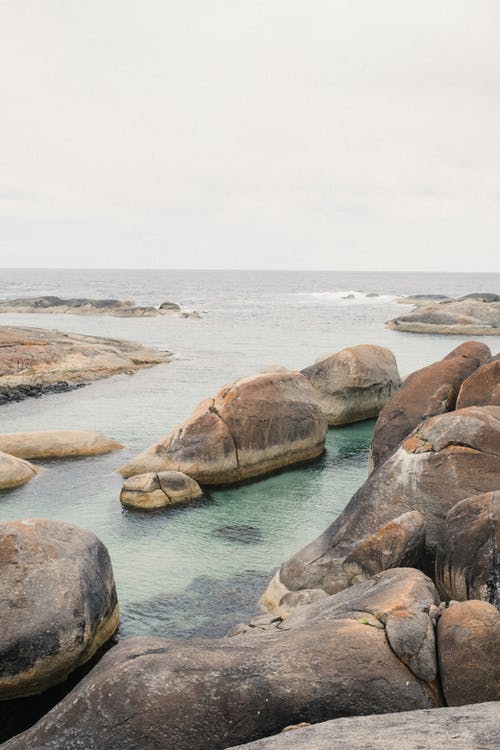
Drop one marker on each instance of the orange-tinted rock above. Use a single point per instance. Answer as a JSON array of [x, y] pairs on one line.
[[425, 393], [252, 427], [467, 560], [469, 653], [57, 444], [482, 387]]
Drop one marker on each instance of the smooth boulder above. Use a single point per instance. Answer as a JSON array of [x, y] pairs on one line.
[[355, 383], [423, 394], [468, 636], [58, 603], [14, 472], [482, 387], [152, 491], [205, 694], [467, 560], [255, 426], [447, 458], [57, 444], [468, 316]]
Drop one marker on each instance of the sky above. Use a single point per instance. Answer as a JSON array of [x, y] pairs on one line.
[[280, 134]]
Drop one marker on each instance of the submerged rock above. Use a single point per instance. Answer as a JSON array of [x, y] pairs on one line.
[[15, 472], [355, 383], [57, 444], [255, 426], [152, 491], [206, 694], [424, 393], [240, 533], [58, 603], [474, 315]]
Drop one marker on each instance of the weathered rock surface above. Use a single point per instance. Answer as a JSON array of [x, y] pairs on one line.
[[424, 393], [468, 558], [252, 427], [482, 387], [34, 361], [469, 653], [466, 728], [448, 458], [151, 491], [58, 603], [57, 444], [85, 306], [14, 472], [355, 383], [467, 316], [206, 694]]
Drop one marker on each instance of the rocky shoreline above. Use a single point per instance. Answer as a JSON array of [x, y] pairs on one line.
[[85, 306]]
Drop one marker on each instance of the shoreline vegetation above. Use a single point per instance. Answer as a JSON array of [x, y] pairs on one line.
[[393, 608]]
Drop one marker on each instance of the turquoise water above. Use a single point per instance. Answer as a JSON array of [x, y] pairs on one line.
[[201, 568]]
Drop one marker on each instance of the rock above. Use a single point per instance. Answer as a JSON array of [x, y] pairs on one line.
[[206, 694], [424, 393], [84, 306], [34, 361], [464, 728], [239, 533], [448, 458], [173, 306], [349, 296], [151, 491], [399, 543], [57, 444], [355, 383], [467, 560], [421, 299], [482, 387], [481, 296], [252, 427], [57, 603], [469, 653], [14, 472], [293, 599], [467, 316]]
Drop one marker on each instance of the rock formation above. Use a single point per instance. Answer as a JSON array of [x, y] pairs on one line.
[[57, 444], [473, 315], [151, 491], [482, 387], [84, 306], [14, 472]]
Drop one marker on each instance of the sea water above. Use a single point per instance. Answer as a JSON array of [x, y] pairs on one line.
[[199, 569]]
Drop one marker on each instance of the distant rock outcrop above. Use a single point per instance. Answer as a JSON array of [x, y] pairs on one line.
[[85, 306], [472, 315]]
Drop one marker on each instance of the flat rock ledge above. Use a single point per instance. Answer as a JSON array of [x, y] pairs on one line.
[[84, 306], [474, 315], [35, 361], [57, 444], [464, 728]]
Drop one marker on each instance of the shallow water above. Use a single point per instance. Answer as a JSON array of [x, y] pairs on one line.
[[201, 568]]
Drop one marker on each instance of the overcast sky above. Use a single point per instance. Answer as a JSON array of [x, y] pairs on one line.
[[328, 134]]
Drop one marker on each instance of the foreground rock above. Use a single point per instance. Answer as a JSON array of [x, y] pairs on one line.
[[152, 491], [85, 306], [57, 444], [206, 694], [355, 383], [14, 472], [252, 427], [34, 361], [482, 387], [468, 559], [57, 603], [469, 653], [468, 316], [465, 728], [448, 458], [424, 393]]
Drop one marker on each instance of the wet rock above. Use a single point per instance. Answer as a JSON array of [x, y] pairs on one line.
[[14, 472], [482, 387], [58, 603], [355, 383], [468, 316], [424, 393], [173, 306], [469, 653], [201, 695], [152, 491], [57, 444], [252, 427], [468, 560]]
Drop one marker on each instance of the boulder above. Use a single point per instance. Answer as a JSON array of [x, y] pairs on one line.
[[424, 393], [252, 427], [57, 444], [151, 491], [355, 383], [14, 472], [58, 603], [468, 636], [464, 728], [468, 316], [482, 387], [170, 306], [467, 560], [448, 458], [206, 694]]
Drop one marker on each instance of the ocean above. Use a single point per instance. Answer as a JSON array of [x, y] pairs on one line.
[[200, 569]]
